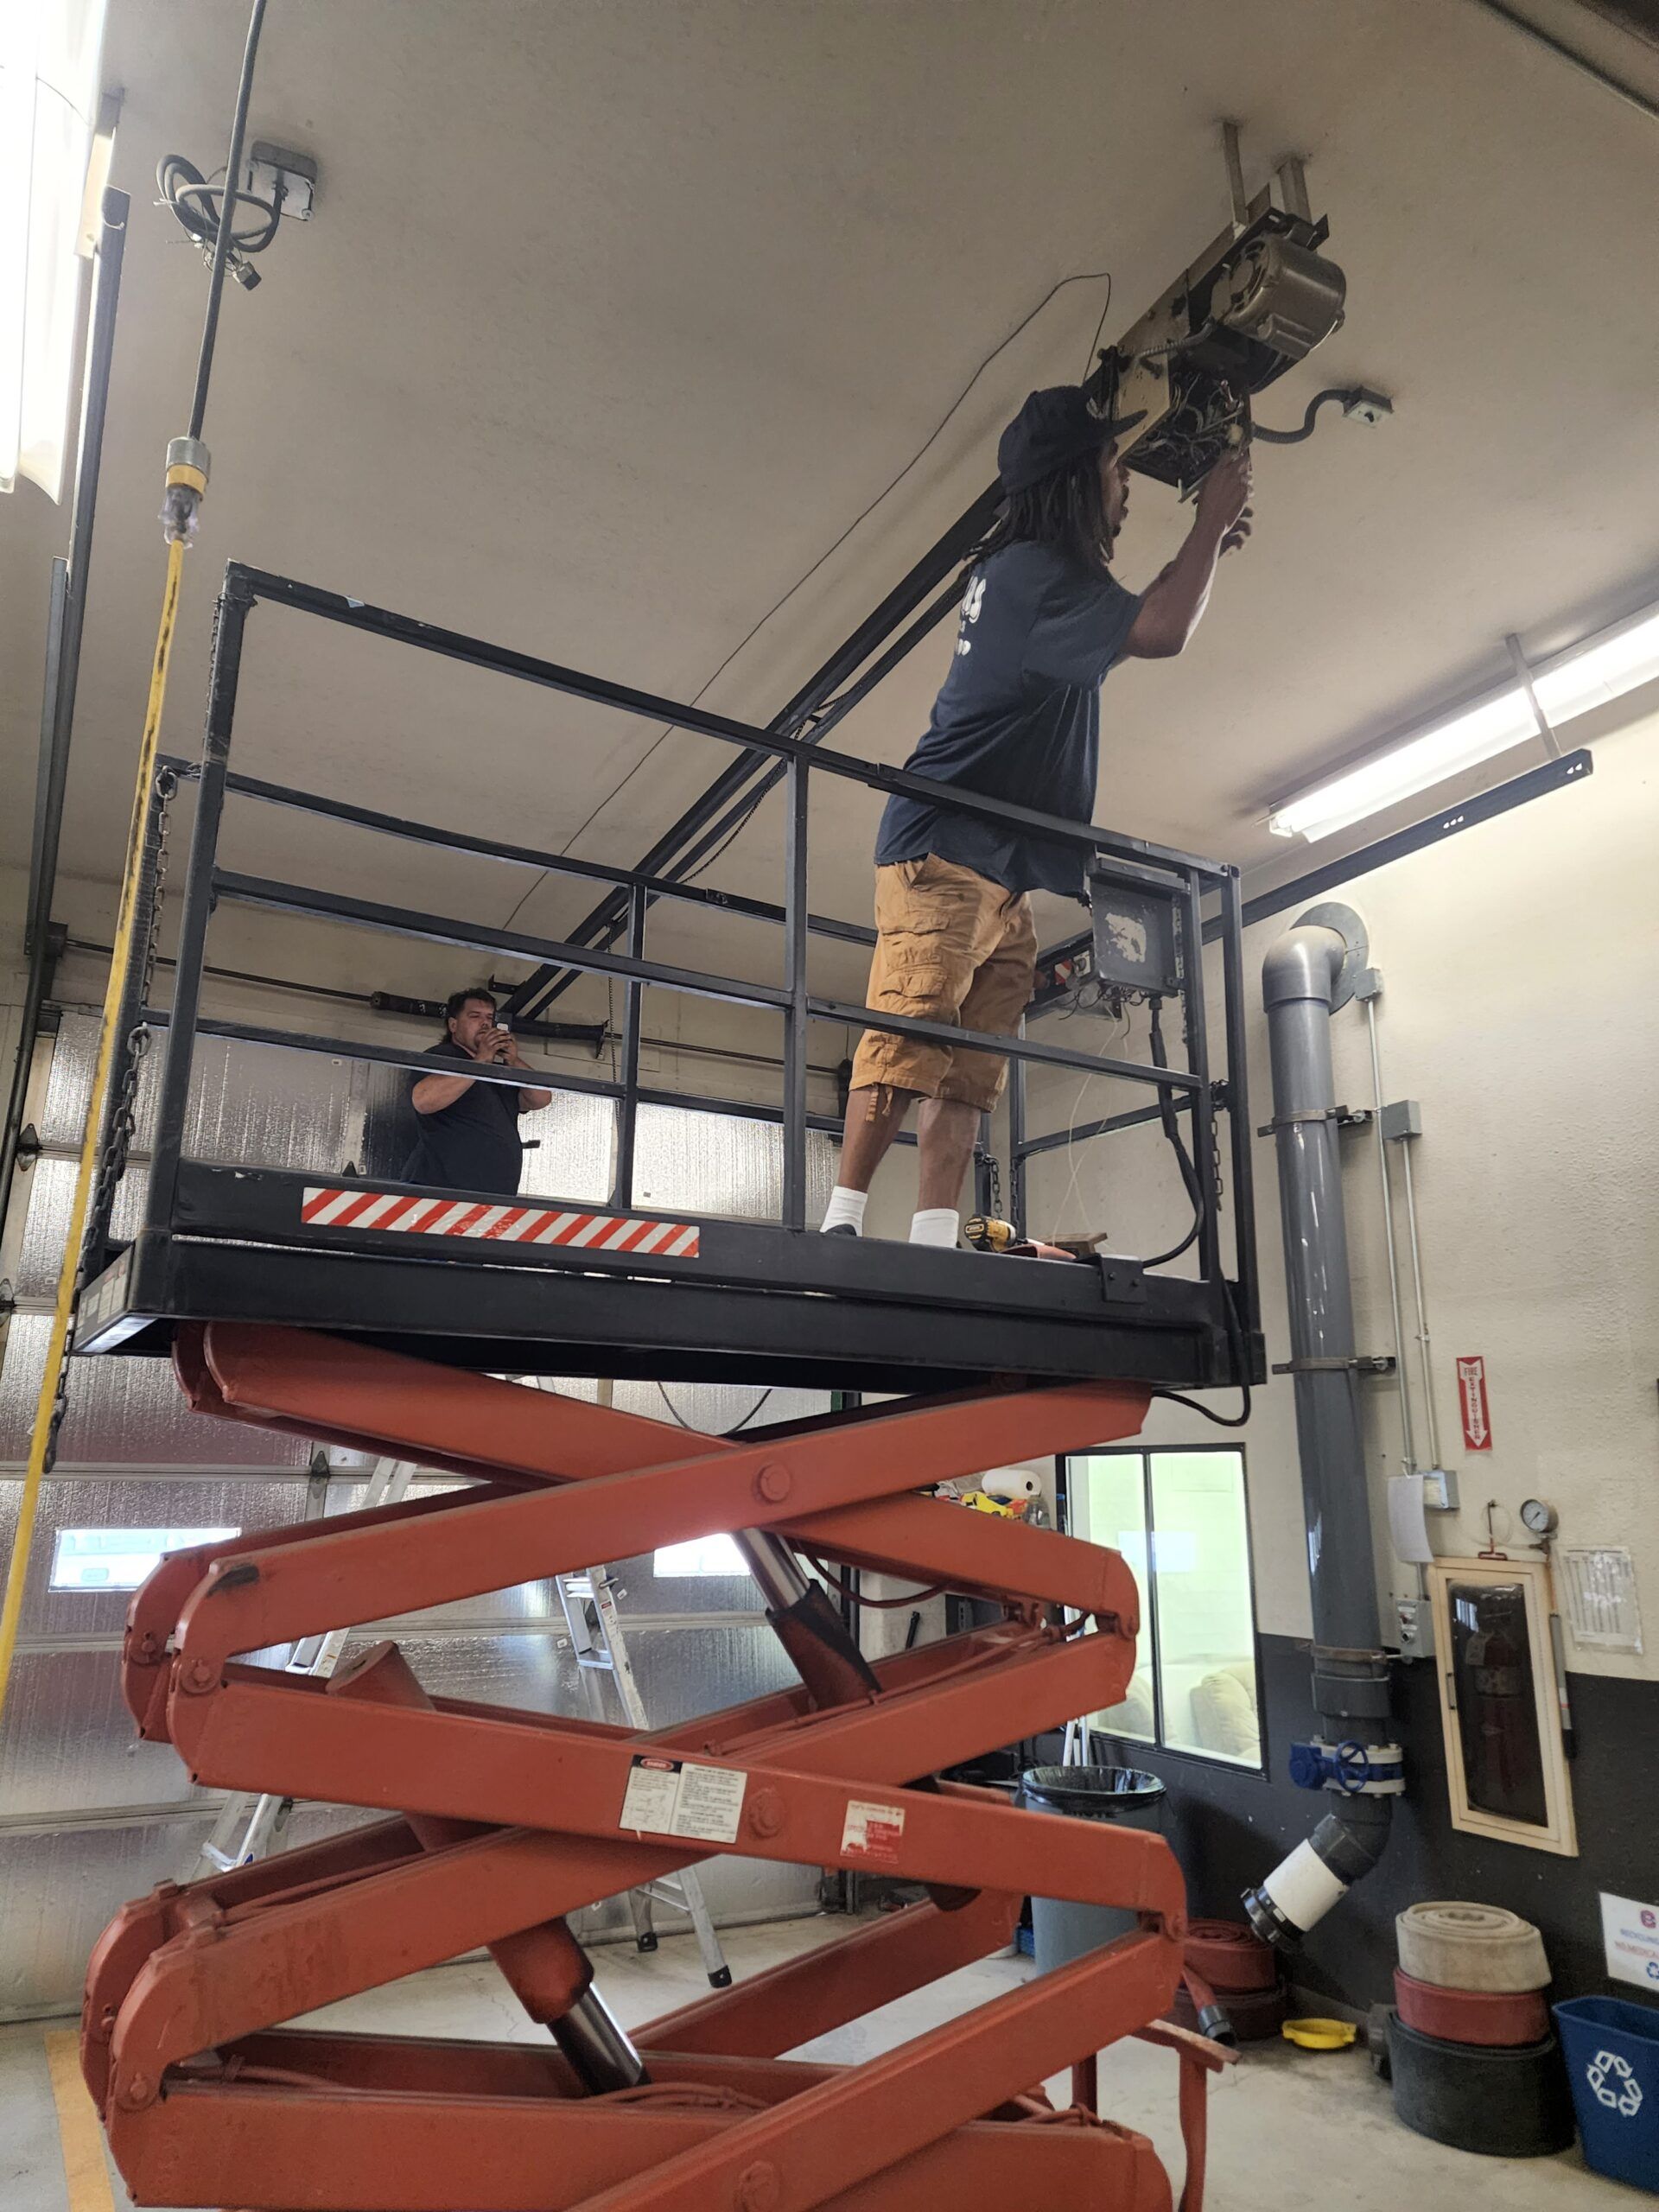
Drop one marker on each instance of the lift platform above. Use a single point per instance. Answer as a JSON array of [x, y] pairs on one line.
[[581, 1287], [541, 1287], [503, 1822]]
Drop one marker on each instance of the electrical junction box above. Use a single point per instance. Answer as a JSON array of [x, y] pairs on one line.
[[1403, 1119], [1439, 1490], [272, 169], [1414, 1628], [1136, 928]]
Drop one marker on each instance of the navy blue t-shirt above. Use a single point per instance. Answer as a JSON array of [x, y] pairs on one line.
[[1017, 718], [472, 1144]]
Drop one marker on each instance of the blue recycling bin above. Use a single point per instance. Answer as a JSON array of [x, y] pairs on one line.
[[1612, 2050]]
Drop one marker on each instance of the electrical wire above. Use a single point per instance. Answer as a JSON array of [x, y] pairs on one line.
[[1119, 1031], [1267, 437], [1079, 276], [874, 1604], [181, 183], [1194, 1406], [1172, 1130], [1240, 1351], [1105, 309], [222, 243], [692, 1426]]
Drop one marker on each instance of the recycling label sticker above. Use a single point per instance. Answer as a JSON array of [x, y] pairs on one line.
[[1613, 2083]]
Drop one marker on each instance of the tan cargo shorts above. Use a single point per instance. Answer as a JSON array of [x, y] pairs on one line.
[[951, 946]]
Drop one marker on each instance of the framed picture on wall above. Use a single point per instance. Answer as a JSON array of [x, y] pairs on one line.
[[1506, 1767]]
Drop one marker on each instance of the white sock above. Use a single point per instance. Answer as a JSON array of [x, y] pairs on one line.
[[937, 1226], [845, 1206]]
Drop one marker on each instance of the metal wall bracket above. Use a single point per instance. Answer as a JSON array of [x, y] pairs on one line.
[[1345, 1117], [1354, 1363]]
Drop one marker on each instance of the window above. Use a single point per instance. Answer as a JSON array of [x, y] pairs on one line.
[[120, 1559], [49, 98], [702, 1556], [1180, 1522]]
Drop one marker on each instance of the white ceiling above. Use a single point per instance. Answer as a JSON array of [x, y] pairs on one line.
[[612, 319]]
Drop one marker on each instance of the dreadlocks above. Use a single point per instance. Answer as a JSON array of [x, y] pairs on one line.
[[1066, 508]]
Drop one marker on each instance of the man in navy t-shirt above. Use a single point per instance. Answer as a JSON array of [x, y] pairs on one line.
[[1018, 718]]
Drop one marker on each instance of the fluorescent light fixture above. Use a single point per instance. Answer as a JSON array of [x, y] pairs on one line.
[[49, 54], [1603, 669], [1600, 670]]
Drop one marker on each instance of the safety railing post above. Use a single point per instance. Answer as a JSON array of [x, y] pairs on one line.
[[1017, 1140], [627, 1110], [795, 1015], [172, 1102], [1197, 1060]]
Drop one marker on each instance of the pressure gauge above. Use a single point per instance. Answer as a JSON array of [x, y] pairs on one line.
[[1539, 1516]]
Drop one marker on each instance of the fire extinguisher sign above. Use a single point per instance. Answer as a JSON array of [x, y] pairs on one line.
[[1472, 1398]]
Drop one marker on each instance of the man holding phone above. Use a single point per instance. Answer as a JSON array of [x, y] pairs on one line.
[[470, 1137]]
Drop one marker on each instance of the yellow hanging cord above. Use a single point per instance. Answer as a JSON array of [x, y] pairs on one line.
[[42, 1442]]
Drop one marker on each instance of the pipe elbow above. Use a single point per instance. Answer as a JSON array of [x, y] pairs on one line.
[[1320, 1871], [1303, 963]]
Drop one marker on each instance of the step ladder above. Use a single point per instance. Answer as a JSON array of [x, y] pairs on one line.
[[601, 1649], [249, 1827]]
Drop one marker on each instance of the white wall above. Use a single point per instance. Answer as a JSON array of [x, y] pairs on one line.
[[1520, 962]]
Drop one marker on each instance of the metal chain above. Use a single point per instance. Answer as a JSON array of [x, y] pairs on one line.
[[113, 1160], [994, 1182], [123, 1122], [1215, 1154]]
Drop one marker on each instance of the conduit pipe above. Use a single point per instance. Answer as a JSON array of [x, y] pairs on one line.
[[1307, 973]]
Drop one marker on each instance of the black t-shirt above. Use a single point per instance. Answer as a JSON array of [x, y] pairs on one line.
[[1017, 717], [473, 1145]]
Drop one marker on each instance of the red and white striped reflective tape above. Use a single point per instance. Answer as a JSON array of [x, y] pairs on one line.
[[327, 1207]]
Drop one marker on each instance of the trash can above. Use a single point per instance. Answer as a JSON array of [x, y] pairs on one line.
[[1061, 1929], [1613, 2062]]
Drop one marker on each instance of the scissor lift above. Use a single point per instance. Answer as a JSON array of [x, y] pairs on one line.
[[355, 1311], [505, 1822]]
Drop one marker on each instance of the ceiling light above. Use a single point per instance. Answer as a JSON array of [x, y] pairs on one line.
[[1604, 668], [1601, 668], [1461, 741]]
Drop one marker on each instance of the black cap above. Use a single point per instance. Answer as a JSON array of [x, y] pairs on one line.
[[1058, 425]]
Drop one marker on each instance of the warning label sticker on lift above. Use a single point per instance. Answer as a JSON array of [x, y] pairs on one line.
[[873, 1832], [681, 1798]]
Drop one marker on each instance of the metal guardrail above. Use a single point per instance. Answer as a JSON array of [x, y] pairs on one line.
[[1190, 880]]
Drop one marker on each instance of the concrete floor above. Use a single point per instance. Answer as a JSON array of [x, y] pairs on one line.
[[1289, 2132]]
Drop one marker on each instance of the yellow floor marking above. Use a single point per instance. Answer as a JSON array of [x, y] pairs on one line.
[[84, 2169]]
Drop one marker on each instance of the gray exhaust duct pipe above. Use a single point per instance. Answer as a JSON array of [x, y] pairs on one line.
[[1308, 972]]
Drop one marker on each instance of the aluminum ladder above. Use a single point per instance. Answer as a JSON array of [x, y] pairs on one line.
[[601, 1649], [249, 1827]]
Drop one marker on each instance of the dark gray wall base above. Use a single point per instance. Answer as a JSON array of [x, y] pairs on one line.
[[1229, 1829]]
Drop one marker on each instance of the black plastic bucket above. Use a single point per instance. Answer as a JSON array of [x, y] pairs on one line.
[[1062, 1930]]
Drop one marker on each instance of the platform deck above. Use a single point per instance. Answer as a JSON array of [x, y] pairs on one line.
[[575, 1288]]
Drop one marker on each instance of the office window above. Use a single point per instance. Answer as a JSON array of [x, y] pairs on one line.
[[121, 1559], [1180, 1522], [702, 1556]]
